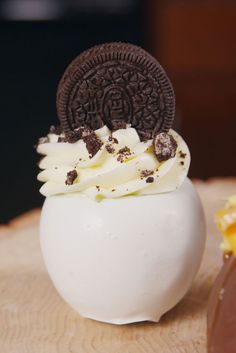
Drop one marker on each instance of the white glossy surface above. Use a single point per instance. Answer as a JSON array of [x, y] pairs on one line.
[[123, 260]]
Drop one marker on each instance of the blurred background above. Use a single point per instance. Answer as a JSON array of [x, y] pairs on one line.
[[193, 40]]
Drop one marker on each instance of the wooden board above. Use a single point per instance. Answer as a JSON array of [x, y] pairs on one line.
[[34, 319]]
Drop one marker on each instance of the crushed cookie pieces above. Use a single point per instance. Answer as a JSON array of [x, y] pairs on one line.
[[182, 155], [93, 143], [145, 173], [150, 180], [75, 135], [123, 154], [125, 151], [71, 176], [181, 163], [110, 148], [165, 146]]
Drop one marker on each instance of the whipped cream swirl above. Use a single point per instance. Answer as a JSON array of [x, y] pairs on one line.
[[122, 166]]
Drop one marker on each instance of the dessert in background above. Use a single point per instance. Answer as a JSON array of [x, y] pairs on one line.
[[222, 307], [122, 228]]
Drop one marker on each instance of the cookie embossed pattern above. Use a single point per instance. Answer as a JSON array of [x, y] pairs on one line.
[[116, 84], [122, 229]]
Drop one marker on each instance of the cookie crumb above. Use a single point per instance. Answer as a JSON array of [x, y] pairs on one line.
[[110, 148], [71, 176], [75, 135], [123, 154], [93, 143], [145, 173], [150, 180], [182, 155], [165, 146]]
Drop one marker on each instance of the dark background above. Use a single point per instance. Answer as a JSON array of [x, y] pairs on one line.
[[193, 40]]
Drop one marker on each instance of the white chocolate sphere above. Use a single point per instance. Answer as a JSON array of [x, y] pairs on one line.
[[123, 260]]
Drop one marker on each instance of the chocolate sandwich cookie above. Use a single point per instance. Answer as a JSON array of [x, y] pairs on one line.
[[115, 84]]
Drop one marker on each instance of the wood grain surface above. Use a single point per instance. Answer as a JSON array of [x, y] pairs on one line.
[[34, 319]]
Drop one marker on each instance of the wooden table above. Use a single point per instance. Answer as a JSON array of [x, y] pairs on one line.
[[34, 319]]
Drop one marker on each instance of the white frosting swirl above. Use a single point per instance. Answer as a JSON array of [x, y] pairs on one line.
[[109, 174]]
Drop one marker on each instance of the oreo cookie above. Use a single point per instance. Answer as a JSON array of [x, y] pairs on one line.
[[115, 84]]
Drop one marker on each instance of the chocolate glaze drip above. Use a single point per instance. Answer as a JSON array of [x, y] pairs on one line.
[[221, 319]]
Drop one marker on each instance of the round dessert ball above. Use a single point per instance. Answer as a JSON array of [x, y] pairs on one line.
[[123, 260]]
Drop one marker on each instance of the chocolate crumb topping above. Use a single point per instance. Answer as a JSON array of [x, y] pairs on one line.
[[71, 176], [120, 159], [182, 155], [123, 154], [150, 180], [125, 151], [182, 163], [110, 148], [98, 187], [57, 130], [74, 136], [165, 146], [113, 190], [93, 143], [145, 173]]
